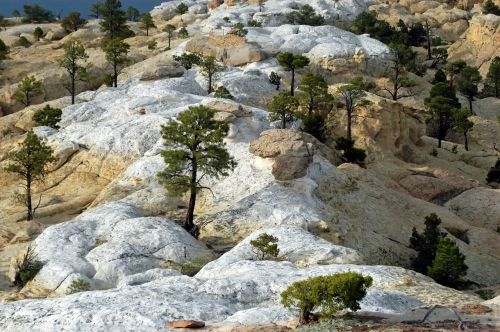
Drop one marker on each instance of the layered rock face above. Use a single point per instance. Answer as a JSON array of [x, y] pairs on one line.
[[479, 44]]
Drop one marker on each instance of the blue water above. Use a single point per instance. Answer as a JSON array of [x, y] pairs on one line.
[[66, 6]]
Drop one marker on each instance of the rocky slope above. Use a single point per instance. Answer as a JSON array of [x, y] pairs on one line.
[[123, 236]]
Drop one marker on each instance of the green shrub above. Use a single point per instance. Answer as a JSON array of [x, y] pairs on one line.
[[425, 243], [266, 246], [107, 80], [314, 124], [485, 294], [79, 285], [275, 79], [306, 16], [38, 33], [494, 173], [27, 268], [182, 33], [254, 23], [190, 268], [48, 116], [222, 92], [152, 45], [22, 41], [326, 295], [182, 8], [448, 267], [350, 154], [239, 30], [187, 60], [489, 7]]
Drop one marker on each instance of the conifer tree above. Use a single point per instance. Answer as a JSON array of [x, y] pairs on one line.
[[169, 29], [353, 97], [426, 243], [467, 84], [30, 164], [114, 20], [148, 23], [448, 267], [461, 124], [314, 90], [283, 108], [38, 33], [74, 62], [73, 22], [116, 53], [291, 62], [493, 76], [210, 68], [194, 149], [96, 9], [27, 89], [133, 14]]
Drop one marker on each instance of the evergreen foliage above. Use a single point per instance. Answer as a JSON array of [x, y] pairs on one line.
[[266, 246], [291, 62], [30, 164], [238, 29], [494, 173], [4, 50], [182, 8], [448, 267], [114, 20], [467, 84], [22, 42], [148, 23], [222, 92], [79, 285], [27, 89], [439, 77], [194, 148], [275, 79], [116, 54], [461, 124], [169, 29], [426, 243], [353, 97], [38, 33], [210, 69], [188, 60], [96, 9], [314, 93], [489, 7], [182, 33], [48, 116], [74, 63], [350, 154], [37, 14], [283, 108], [73, 22], [27, 268], [133, 14], [492, 78], [326, 294], [305, 16]]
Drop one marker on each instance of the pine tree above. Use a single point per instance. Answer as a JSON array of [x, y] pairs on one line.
[[461, 124], [4, 50], [448, 267], [114, 21], [38, 33], [133, 14], [30, 163], [116, 53], [27, 89], [210, 68], [291, 62], [467, 84], [194, 148], [489, 7], [74, 62], [169, 29], [73, 22], [275, 79], [314, 90], [441, 102], [283, 108], [439, 77], [96, 9], [426, 243], [397, 75], [148, 23], [353, 97], [182, 8]]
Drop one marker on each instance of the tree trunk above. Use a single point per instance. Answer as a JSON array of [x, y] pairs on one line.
[[349, 123], [188, 222], [304, 313], [72, 90], [169, 37], [29, 213], [466, 142], [209, 83], [115, 76], [470, 106], [429, 54], [277, 87], [283, 120], [496, 90], [147, 32], [293, 82]]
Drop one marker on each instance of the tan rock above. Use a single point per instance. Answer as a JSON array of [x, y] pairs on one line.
[[229, 107], [289, 167], [230, 49], [224, 117]]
